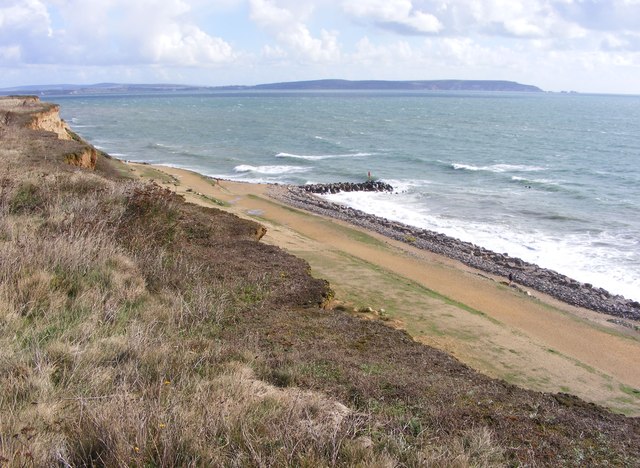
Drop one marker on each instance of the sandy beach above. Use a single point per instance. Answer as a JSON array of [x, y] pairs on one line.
[[519, 335]]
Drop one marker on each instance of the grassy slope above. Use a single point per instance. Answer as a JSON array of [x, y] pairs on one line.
[[138, 330]]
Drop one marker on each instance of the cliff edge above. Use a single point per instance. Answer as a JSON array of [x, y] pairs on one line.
[[19, 114]]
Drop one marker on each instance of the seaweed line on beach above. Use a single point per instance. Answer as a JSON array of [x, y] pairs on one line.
[[527, 274]]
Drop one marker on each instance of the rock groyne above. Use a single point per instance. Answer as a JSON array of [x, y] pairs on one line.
[[368, 186], [527, 274]]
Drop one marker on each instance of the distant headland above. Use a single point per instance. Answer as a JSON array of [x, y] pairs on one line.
[[424, 85], [313, 85]]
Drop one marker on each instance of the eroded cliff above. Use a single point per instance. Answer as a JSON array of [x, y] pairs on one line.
[[26, 118]]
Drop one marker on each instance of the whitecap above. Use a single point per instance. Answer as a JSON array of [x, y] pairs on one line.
[[272, 170], [536, 181], [497, 168], [162, 146]]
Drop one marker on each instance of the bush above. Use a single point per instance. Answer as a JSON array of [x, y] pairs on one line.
[[27, 199]]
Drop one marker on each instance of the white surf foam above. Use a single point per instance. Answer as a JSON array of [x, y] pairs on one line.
[[601, 260], [497, 168], [405, 185], [271, 170], [536, 181], [164, 147]]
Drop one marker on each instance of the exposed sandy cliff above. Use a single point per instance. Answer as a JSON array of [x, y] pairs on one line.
[[28, 112]]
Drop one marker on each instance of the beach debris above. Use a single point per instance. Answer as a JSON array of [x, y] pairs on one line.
[[625, 324], [334, 304], [382, 314]]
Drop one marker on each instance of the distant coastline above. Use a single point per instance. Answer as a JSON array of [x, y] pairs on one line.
[[312, 85]]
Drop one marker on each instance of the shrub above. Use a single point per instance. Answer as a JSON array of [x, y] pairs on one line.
[[26, 199]]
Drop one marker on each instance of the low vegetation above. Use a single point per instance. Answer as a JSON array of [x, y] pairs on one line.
[[138, 330]]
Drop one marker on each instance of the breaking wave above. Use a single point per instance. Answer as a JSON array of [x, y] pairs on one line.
[[497, 168], [271, 170]]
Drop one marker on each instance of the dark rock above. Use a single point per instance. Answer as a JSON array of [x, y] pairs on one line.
[[368, 186]]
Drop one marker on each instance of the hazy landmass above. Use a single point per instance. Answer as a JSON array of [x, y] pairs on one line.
[[314, 85]]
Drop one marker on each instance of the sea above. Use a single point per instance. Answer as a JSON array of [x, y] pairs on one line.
[[553, 179]]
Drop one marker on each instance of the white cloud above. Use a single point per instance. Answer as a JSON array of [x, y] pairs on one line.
[[291, 32], [520, 27], [22, 25], [274, 53], [186, 45], [500, 18], [399, 15], [10, 54], [165, 33], [112, 32], [22, 15], [520, 19], [385, 54]]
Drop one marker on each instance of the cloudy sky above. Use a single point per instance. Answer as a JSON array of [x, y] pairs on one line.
[[583, 45]]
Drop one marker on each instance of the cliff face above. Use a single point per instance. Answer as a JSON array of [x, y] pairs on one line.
[[86, 157], [49, 120], [27, 118]]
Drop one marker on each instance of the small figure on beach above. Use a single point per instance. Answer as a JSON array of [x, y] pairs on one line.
[[510, 278], [369, 175]]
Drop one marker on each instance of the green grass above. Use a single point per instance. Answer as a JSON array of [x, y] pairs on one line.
[[27, 199], [400, 282], [634, 392], [213, 200], [356, 234], [151, 173]]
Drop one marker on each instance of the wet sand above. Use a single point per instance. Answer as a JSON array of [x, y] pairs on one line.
[[523, 337]]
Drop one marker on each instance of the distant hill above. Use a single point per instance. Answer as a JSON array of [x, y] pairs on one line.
[[100, 88], [425, 85], [314, 85]]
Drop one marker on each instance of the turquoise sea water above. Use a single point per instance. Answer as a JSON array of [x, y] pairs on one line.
[[552, 179]]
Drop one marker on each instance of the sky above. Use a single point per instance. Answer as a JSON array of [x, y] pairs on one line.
[[581, 45]]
